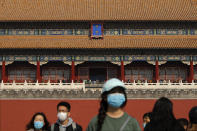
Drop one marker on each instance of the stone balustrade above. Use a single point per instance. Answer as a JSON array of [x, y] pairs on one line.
[[42, 86], [93, 86], [167, 85]]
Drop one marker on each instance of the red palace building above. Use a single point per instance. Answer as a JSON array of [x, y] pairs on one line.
[[90, 41], [98, 40]]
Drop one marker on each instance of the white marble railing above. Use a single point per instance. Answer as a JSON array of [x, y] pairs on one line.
[[167, 85], [48, 86], [85, 87]]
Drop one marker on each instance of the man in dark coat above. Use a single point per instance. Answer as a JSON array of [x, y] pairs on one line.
[[65, 122]]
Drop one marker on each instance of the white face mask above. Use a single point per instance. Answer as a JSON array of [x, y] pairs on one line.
[[62, 116]]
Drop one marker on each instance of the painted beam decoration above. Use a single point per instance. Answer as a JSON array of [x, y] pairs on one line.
[[99, 58], [56, 32], [20, 58], [116, 58], [139, 58], [21, 32], [174, 58], [112, 32], [137, 31], [126, 58], [55, 58], [97, 31], [52, 32], [172, 32]]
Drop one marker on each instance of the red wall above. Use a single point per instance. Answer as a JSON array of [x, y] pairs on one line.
[[15, 114]]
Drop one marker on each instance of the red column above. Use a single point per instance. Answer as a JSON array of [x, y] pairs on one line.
[[39, 79], [4, 72], [73, 71], [191, 77], [156, 70], [122, 71]]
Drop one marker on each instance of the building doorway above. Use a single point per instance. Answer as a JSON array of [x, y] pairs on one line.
[[98, 74]]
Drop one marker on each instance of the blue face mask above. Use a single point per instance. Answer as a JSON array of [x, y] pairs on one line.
[[38, 124], [116, 99]]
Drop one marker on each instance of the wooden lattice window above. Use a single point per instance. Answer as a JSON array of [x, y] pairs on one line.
[[112, 73], [195, 73], [22, 74], [55, 74], [174, 74], [138, 73], [83, 73]]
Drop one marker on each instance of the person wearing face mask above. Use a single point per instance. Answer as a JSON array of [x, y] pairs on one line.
[[38, 122], [65, 122], [146, 118], [111, 116]]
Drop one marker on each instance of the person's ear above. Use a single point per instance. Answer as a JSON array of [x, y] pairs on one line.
[[69, 114]]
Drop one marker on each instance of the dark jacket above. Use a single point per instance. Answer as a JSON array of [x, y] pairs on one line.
[[165, 126], [68, 127]]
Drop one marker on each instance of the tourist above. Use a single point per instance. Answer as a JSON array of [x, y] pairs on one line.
[[111, 116], [146, 118], [193, 119], [38, 122], [163, 118], [183, 122], [65, 122]]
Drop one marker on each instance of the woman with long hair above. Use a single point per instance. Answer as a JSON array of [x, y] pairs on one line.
[[163, 118], [38, 122], [193, 119], [111, 116]]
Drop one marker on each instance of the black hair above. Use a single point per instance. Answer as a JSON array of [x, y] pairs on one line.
[[30, 125], [104, 105], [183, 121], [163, 117], [193, 116], [66, 104], [148, 114], [163, 110]]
